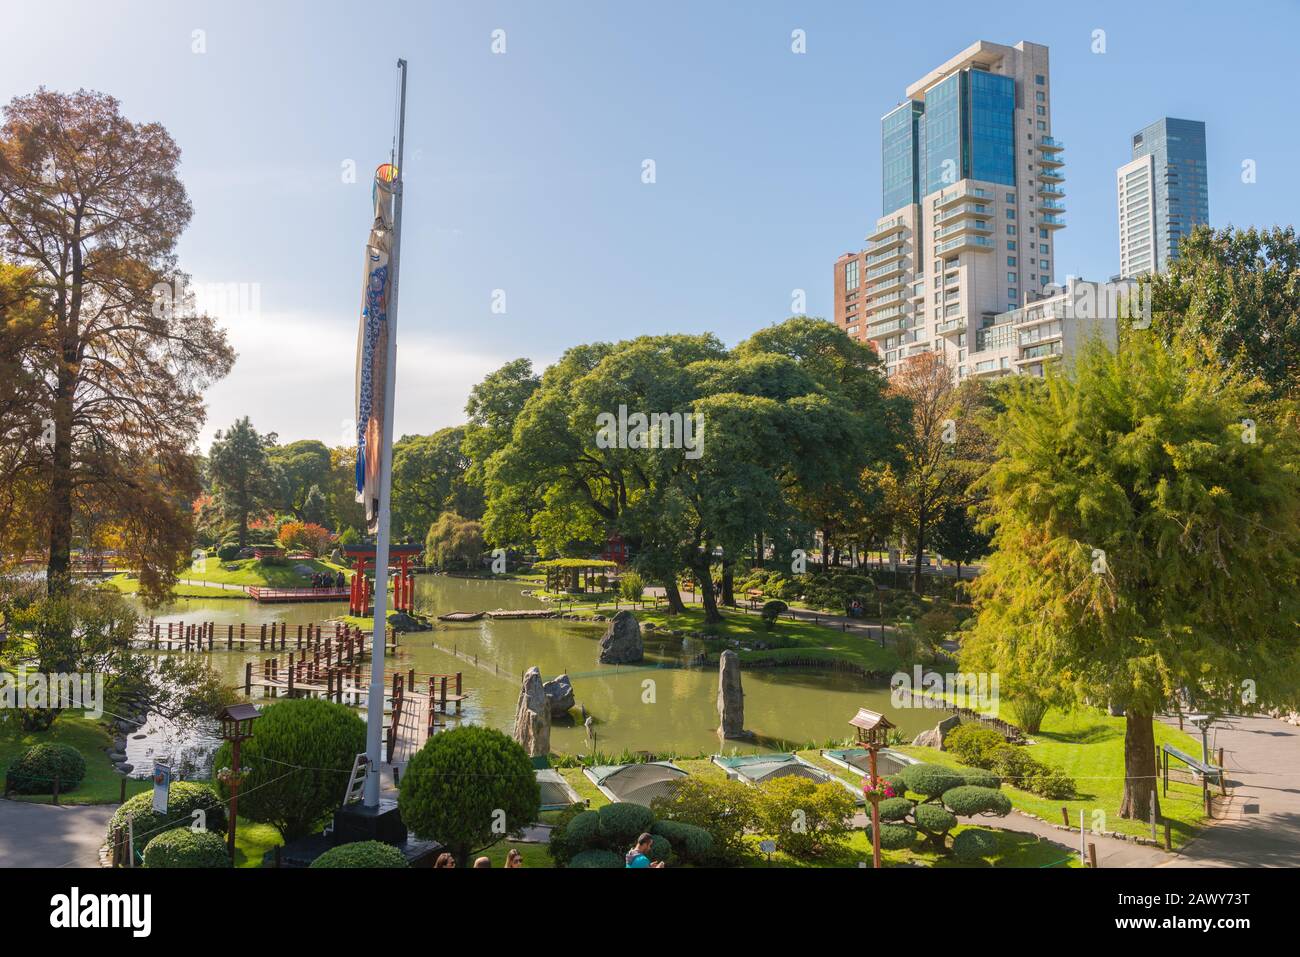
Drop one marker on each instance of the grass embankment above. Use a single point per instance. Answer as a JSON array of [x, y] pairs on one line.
[[1088, 745], [102, 783], [208, 582]]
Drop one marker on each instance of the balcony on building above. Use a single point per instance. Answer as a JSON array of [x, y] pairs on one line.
[[1051, 175], [1050, 160], [889, 227], [1051, 222], [1050, 143], [967, 241], [962, 191]]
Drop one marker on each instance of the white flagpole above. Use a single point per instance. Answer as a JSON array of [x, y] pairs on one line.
[[375, 699]]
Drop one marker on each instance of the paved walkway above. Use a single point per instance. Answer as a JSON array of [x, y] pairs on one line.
[[1262, 823], [43, 835]]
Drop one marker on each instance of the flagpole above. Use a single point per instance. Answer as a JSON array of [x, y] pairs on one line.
[[379, 638]]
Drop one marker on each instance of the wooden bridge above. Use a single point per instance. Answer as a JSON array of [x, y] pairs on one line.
[[273, 595], [273, 636]]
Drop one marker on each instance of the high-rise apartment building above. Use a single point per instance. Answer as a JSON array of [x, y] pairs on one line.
[[1163, 192], [971, 198]]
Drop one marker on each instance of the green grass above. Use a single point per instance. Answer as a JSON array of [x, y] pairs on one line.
[[279, 573], [534, 855], [130, 586], [252, 840], [1013, 850], [102, 783], [1088, 745]]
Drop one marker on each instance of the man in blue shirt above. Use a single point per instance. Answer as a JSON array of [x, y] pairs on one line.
[[639, 856]]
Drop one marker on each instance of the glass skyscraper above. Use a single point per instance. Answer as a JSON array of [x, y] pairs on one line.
[[1164, 192]]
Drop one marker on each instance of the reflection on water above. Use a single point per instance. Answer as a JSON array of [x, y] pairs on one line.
[[186, 748], [656, 707]]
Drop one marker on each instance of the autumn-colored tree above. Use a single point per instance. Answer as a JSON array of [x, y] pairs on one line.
[[942, 453], [24, 434], [305, 535], [91, 204]]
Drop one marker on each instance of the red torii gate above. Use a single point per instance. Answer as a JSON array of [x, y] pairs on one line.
[[362, 591]]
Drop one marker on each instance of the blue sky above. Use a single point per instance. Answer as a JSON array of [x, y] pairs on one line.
[[524, 168]]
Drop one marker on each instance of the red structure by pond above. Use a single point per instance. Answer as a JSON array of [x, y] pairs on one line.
[[361, 594]]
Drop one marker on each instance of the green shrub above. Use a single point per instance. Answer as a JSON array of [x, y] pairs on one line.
[[183, 799], [805, 818], [974, 844], [579, 832], [934, 822], [228, 552], [621, 824], [772, 610], [1028, 711], [895, 809], [361, 854], [894, 837], [36, 768], [597, 858], [300, 751], [723, 807], [1051, 783], [661, 849], [980, 778], [973, 744], [631, 586], [929, 780], [694, 845], [968, 800], [456, 787], [181, 847]]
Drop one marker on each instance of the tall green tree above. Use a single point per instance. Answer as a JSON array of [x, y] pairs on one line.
[[300, 466], [1236, 293], [429, 477], [1148, 541], [244, 481], [91, 203]]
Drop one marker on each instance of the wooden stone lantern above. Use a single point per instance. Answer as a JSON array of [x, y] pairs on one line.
[[236, 727], [873, 734]]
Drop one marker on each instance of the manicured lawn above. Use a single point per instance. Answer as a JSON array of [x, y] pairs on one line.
[[101, 785], [534, 855], [1014, 850], [129, 586], [1088, 745]]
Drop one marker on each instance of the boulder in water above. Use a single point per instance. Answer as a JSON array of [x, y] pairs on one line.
[[731, 696], [621, 644], [559, 695], [533, 716]]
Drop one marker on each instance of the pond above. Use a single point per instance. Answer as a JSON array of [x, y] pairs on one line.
[[659, 706]]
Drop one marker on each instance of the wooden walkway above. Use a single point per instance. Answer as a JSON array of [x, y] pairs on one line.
[[271, 595], [273, 636]]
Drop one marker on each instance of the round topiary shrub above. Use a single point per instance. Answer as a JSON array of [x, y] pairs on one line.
[[292, 766], [772, 610], [895, 809], [621, 824], [579, 833], [183, 799], [930, 780], [934, 819], [466, 784], [980, 778], [361, 854], [894, 837], [974, 844], [37, 767], [968, 800], [596, 858], [228, 552], [181, 847], [694, 845]]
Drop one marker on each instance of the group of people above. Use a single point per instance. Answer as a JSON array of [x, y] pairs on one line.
[[327, 580], [638, 856], [513, 859]]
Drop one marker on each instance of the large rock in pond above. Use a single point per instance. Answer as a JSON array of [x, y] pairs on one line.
[[621, 644], [935, 737], [559, 695], [533, 716], [731, 696]]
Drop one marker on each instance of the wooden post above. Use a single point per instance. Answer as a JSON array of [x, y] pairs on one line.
[[1223, 778], [230, 637], [248, 679], [443, 693], [1169, 842], [1065, 815], [1092, 855], [56, 788], [122, 797]]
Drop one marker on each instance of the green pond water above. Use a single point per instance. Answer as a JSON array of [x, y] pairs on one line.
[[657, 707]]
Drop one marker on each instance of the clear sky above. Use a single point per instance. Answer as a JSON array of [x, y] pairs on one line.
[[524, 169]]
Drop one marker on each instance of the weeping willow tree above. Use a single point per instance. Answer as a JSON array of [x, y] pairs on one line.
[[1147, 515]]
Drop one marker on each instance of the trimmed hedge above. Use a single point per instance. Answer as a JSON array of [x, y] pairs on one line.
[[895, 809], [978, 777], [894, 837], [597, 858], [930, 780], [968, 800], [183, 799], [621, 824], [974, 844], [368, 854], [181, 847], [694, 845], [933, 819], [36, 768]]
